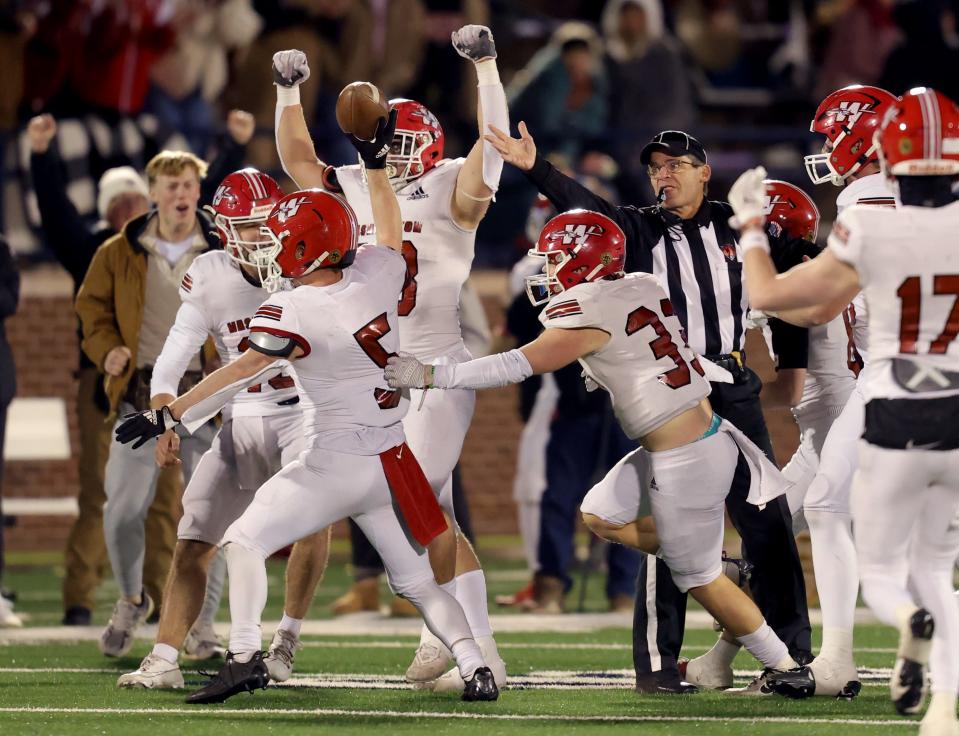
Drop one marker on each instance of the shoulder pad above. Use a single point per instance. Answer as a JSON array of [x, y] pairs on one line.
[[271, 344]]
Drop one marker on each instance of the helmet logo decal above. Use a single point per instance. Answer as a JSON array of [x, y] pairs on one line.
[[221, 192], [905, 146], [774, 201], [289, 208], [849, 112], [576, 234], [428, 117], [606, 259]]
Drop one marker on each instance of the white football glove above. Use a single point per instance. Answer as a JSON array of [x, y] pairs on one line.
[[474, 43], [290, 68], [748, 197], [405, 371]]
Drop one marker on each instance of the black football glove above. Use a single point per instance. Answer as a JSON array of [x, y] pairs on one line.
[[145, 425], [374, 152]]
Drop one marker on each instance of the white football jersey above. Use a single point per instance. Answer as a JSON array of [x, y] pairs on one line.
[[438, 255], [347, 330], [215, 285], [908, 265], [829, 375], [647, 368], [869, 191]]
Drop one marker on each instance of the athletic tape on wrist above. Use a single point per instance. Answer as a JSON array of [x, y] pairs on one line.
[[754, 238], [287, 96]]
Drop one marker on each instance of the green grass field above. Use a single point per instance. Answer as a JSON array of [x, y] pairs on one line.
[[562, 681]]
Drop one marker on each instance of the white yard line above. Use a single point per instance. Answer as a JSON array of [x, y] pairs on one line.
[[220, 711]]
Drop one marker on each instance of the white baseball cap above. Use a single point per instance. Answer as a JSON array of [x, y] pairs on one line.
[[114, 182]]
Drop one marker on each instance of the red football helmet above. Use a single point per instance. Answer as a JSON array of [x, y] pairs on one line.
[[790, 210], [919, 135], [417, 143], [847, 118], [310, 229], [244, 197], [579, 245]]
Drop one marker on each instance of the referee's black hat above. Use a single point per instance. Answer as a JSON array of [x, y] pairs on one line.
[[675, 143]]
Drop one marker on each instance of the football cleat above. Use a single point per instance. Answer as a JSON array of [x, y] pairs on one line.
[[8, 618], [452, 681], [234, 677], [431, 660], [656, 683], [760, 685], [117, 638], [279, 657], [821, 677], [481, 686], [154, 673], [908, 686], [704, 674], [202, 643], [515, 599]]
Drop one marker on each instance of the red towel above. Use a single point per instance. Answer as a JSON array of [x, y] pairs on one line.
[[413, 494]]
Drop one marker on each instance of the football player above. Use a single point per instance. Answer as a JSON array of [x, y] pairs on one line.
[[442, 202], [336, 330], [622, 329], [906, 489], [262, 431], [823, 470]]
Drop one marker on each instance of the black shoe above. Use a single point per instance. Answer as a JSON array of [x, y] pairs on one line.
[[802, 657], [797, 684], [481, 686], [10, 595], [234, 677], [908, 686], [664, 684], [77, 616]]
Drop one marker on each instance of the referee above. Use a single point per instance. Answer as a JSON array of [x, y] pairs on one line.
[[687, 243]]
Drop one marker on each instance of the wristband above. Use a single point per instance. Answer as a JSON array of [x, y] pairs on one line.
[[287, 96], [487, 73], [752, 239]]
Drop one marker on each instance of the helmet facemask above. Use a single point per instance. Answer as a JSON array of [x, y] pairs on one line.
[[820, 168]]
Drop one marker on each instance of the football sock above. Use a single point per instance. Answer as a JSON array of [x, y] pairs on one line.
[[471, 594], [529, 514], [768, 648], [427, 636], [837, 580], [722, 654], [248, 590], [165, 652], [442, 614], [935, 591], [215, 578], [468, 657], [288, 623]]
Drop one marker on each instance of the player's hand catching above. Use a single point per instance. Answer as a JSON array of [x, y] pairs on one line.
[[373, 152], [40, 131], [474, 43], [521, 152], [290, 68], [405, 371], [167, 451], [240, 125], [747, 196], [116, 361], [145, 425]]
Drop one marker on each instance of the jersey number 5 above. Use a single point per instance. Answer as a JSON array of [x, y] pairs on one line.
[[368, 337], [663, 346], [910, 295]]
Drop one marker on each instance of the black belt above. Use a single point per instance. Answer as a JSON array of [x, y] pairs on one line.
[[734, 362]]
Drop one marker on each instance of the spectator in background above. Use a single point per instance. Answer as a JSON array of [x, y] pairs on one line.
[[122, 197], [16, 27], [711, 33], [563, 91], [397, 45], [924, 58], [651, 87], [860, 40], [127, 305], [189, 78], [9, 295]]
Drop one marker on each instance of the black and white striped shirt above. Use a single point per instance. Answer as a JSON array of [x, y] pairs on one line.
[[698, 261]]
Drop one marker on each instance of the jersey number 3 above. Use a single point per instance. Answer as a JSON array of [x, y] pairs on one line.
[[368, 337], [663, 346], [910, 295]]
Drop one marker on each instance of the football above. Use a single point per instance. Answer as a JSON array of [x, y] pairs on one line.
[[359, 108]]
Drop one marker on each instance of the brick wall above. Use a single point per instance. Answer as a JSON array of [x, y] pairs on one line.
[[44, 344]]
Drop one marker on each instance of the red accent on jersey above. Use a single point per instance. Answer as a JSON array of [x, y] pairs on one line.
[[854, 360], [368, 338], [663, 346], [909, 293], [269, 311], [408, 294], [187, 283], [943, 285]]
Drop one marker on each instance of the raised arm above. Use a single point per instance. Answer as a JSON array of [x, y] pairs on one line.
[[478, 179], [231, 154], [563, 191], [386, 210], [293, 142]]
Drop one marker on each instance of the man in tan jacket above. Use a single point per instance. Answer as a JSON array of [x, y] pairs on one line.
[[127, 304]]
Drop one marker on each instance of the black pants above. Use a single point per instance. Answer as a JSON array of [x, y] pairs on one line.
[[777, 583], [366, 560]]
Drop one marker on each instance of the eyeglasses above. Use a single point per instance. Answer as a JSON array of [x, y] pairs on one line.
[[673, 166]]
